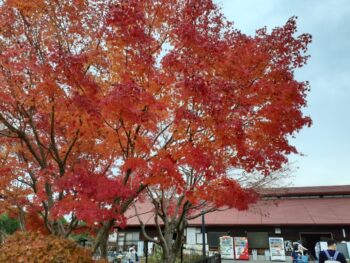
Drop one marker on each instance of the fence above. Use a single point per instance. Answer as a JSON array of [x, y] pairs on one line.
[[213, 259]]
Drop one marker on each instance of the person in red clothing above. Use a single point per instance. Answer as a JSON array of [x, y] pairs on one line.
[[331, 254]]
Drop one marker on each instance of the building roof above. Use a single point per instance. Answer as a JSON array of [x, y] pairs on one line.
[[308, 191], [322, 211], [299, 206]]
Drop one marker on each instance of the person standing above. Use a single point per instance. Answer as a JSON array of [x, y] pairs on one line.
[[300, 247], [317, 250], [331, 254], [296, 254], [132, 255]]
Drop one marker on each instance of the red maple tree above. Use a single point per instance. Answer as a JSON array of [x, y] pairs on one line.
[[51, 141], [101, 100]]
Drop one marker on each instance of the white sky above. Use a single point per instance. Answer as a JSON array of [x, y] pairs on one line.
[[326, 145]]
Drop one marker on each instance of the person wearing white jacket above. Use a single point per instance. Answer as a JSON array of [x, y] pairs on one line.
[[132, 255]]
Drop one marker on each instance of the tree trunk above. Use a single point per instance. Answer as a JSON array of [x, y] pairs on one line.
[[169, 257], [171, 248], [101, 238], [104, 245], [21, 219]]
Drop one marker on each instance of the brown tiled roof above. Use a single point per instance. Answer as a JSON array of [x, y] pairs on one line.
[[322, 211], [300, 206]]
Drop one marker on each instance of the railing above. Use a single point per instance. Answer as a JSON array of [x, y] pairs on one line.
[[213, 259]]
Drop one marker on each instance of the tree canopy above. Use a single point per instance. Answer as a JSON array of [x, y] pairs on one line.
[[100, 100]]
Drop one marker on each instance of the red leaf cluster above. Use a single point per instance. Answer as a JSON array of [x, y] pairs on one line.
[[100, 101]]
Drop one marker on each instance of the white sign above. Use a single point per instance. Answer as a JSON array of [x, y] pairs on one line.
[[140, 248], [323, 245], [112, 237], [150, 248], [226, 247], [277, 251]]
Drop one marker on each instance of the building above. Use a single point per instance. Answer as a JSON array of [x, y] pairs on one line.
[[309, 214]]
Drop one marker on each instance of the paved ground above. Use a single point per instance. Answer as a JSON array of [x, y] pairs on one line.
[[288, 260]]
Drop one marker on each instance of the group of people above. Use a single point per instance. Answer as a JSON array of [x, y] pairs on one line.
[[330, 255], [131, 256]]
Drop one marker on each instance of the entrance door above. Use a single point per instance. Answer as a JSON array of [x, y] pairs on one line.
[[309, 240]]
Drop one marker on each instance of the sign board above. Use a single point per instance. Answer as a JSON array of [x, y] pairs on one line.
[[226, 247], [150, 248], [323, 245], [277, 251], [112, 237], [140, 245], [241, 248]]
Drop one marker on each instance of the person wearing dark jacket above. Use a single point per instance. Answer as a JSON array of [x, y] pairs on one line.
[[331, 253]]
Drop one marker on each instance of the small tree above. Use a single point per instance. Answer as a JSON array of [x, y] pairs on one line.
[[173, 210]]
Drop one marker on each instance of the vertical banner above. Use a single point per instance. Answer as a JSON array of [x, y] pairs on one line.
[[150, 248], [226, 247], [139, 251], [241, 248], [277, 251]]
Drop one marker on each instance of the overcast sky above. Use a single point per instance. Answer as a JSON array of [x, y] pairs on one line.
[[326, 145]]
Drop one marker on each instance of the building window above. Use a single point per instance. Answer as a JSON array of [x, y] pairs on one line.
[[258, 239], [214, 238], [126, 239], [199, 238]]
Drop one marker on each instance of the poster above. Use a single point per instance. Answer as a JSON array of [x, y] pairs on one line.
[[277, 251], [226, 247], [323, 245], [241, 248]]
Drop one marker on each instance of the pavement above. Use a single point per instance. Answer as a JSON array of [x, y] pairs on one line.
[[260, 260]]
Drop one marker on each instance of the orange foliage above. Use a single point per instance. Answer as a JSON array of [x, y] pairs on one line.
[[31, 247], [100, 100]]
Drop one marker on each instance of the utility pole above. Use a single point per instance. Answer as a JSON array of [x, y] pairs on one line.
[[203, 234]]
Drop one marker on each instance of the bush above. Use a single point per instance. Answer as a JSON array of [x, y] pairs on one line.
[[8, 225], [33, 247]]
